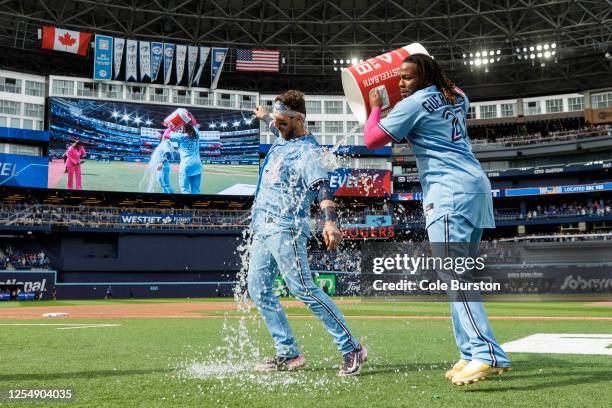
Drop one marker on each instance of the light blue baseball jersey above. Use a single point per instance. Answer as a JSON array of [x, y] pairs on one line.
[[284, 192], [452, 179], [189, 150]]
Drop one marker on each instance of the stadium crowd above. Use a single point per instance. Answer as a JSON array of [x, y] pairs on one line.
[[16, 259]]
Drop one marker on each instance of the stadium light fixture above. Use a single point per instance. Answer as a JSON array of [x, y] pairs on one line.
[[125, 117], [248, 121], [223, 124], [148, 122], [212, 125], [482, 57], [236, 123], [115, 114], [540, 51]]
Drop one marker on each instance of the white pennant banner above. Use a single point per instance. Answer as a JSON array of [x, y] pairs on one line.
[[131, 59], [181, 53], [145, 60], [118, 55], [192, 58]]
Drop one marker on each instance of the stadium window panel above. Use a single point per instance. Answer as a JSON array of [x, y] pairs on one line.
[[111, 91], [86, 89], [263, 127], [348, 109], [554, 105], [314, 126], [181, 96], [313, 107], [327, 139], [226, 100], [603, 100], [203, 98], [333, 127], [471, 112], [34, 88], [359, 140], [575, 104], [14, 123], [334, 107], [136, 93], [34, 110], [21, 149], [11, 85], [3, 121], [532, 108], [10, 107], [28, 124], [61, 87], [488, 111], [353, 126], [38, 125], [247, 102], [159, 95], [508, 109]]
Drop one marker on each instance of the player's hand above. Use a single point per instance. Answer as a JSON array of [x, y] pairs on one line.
[[331, 235], [375, 99], [260, 112]]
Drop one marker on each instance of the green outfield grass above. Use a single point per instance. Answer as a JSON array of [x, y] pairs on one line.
[[126, 176], [370, 308], [164, 362]]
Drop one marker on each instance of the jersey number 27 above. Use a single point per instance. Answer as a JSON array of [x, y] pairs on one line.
[[455, 113]]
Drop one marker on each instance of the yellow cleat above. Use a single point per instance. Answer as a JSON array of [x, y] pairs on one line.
[[476, 371], [459, 365]]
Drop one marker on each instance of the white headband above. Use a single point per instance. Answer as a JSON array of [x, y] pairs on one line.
[[283, 109]]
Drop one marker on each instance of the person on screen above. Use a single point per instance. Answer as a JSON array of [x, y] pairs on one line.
[[163, 168], [73, 164], [190, 169]]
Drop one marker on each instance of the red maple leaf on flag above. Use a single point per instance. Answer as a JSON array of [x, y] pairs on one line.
[[67, 40]]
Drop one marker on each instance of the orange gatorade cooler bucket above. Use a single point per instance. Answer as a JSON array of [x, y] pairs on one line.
[[178, 118], [380, 72]]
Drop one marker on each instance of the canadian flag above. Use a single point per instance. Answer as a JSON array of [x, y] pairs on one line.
[[58, 39]]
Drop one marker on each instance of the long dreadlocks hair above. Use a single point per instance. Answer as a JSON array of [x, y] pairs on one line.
[[429, 73]]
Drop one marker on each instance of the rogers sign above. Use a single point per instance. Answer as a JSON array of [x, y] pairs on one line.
[[361, 183]]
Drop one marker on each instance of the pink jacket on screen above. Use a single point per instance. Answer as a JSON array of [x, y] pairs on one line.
[[74, 156]]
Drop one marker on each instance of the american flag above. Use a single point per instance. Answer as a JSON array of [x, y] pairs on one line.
[[257, 60]]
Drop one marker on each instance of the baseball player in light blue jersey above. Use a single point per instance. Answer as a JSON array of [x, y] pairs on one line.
[[190, 169], [456, 195], [291, 177], [163, 168]]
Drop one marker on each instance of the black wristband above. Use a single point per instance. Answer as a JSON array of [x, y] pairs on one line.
[[329, 214]]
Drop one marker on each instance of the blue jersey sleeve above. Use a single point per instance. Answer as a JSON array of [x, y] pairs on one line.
[[313, 169], [402, 119]]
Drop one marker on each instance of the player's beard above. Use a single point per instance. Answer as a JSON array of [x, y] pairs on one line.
[[289, 133]]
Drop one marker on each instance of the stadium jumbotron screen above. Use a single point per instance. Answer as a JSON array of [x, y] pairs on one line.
[[121, 148]]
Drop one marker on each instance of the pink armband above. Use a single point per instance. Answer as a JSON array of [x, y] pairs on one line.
[[373, 136]]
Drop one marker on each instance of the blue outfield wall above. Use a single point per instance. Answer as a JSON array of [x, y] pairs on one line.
[[168, 285], [46, 280]]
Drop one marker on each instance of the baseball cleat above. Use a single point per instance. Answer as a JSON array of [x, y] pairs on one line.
[[459, 365], [476, 371], [279, 363], [352, 362]]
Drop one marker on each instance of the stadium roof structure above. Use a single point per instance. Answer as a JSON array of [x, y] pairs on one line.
[[312, 34]]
